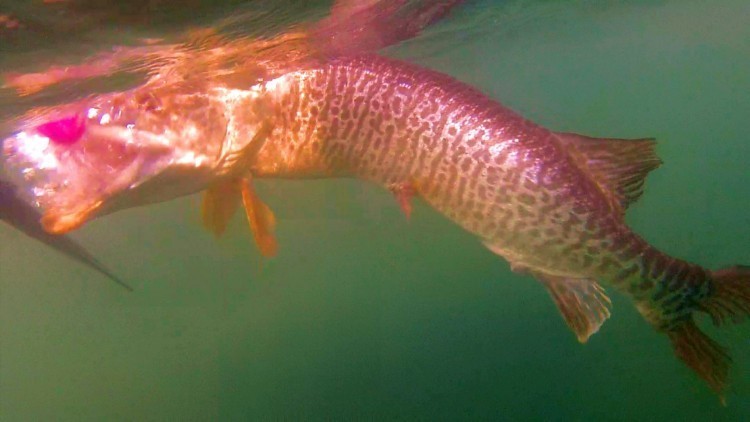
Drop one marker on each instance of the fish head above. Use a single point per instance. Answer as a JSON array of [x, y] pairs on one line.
[[115, 151]]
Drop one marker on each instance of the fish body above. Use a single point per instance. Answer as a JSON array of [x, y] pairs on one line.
[[509, 181], [525, 191], [550, 203]]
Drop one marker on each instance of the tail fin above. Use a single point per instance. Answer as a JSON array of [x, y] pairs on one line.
[[731, 297], [704, 356], [729, 301]]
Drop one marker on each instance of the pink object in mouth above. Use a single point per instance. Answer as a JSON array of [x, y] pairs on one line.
[[66, 131]]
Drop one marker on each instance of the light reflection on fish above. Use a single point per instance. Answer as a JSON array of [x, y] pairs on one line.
[[17, 213], [550, 203], [353, 25]]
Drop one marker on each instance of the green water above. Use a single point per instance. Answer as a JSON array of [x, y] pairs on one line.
[[364, 315]]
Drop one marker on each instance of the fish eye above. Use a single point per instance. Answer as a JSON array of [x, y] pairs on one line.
[[65, 131]]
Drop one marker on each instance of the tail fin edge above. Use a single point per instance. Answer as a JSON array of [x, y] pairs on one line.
[[730, 300], [708, 359]]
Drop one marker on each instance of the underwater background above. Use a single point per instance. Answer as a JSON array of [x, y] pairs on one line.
[[364, 315]]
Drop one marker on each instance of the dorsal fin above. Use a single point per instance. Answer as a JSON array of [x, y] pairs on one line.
[[619, 166]]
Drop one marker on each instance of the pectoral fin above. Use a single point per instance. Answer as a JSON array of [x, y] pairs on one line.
[[220, 202], [404, 192], [582, 303], [261, 219]]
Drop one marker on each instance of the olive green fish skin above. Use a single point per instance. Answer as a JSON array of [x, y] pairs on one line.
[[502, 177]]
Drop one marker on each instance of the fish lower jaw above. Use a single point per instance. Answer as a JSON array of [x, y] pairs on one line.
[[56, 222]]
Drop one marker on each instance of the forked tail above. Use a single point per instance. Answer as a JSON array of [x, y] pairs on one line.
[[728, 300]]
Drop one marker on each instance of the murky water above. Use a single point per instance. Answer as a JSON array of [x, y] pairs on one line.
[[365, 315]]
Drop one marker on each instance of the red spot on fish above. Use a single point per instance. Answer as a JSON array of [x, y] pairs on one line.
[[65, 131]]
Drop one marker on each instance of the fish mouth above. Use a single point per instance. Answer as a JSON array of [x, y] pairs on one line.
[[69, 183], [63, 218], [85, 160]]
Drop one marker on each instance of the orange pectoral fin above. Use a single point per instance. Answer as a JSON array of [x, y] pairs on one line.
[[219, 204], [261, 219]]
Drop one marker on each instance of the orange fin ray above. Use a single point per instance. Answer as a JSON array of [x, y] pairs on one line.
[[582, 303], [261, 219], [220, 202]]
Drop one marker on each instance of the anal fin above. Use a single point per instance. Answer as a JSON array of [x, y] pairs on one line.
[[261, 219], [582, 302]]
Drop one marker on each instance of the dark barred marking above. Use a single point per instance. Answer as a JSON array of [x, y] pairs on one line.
[[626, 273], [500, 176]]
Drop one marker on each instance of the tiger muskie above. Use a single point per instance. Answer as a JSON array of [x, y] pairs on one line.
[[550, 203]]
